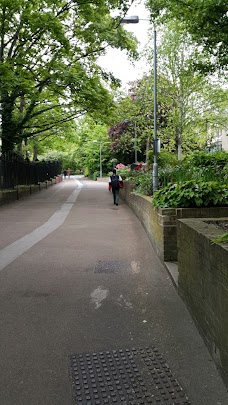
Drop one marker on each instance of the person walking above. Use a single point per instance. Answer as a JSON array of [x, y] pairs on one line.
[[68, 172], [65, 173], [115, 183]]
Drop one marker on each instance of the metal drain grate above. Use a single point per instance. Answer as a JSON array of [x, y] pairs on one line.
[[114, 266], [124, 377]]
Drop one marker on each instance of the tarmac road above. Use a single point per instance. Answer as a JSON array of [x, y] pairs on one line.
[[78, 274]]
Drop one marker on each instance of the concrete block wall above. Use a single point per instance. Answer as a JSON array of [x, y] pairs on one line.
[[203, 283]]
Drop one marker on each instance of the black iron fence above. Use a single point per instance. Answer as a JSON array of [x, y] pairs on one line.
[[15, 171]]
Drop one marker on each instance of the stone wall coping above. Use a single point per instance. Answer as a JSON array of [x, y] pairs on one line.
[[184, 212], [200, 212], [205, 227], [144, 197]]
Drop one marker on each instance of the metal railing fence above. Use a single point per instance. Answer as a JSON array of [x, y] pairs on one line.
[[15, 171]]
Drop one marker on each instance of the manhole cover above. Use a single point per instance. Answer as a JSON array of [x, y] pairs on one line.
[[124, 377], [113, 266]]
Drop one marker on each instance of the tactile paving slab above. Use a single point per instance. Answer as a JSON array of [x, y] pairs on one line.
[[124, 377]]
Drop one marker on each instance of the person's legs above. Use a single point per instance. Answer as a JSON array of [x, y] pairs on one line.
[[117, 197], [114, 196]]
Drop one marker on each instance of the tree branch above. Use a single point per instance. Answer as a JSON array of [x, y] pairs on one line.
[[44, 110], [70, 118], [32, 105], [38, 34], [2, 33], [14, 40]]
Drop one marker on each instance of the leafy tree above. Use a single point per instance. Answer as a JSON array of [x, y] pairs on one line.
[[206, 21], [123, 130], [77, 146], [62, 145], [133, 122], [191, 107], [48, 69], [185, 95], [88, 137]]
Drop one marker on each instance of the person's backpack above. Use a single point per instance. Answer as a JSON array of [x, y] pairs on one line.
[[115, 182]]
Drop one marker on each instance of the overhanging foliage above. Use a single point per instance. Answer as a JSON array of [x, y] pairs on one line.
[[48, 69], [206, 21]]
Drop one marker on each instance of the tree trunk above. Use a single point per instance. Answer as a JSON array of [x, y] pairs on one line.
[[35, 153], [179, 147], [8, 126], [19, 149]]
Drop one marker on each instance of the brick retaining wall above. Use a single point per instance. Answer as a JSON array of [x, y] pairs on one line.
[[161, 223], [203, 283]]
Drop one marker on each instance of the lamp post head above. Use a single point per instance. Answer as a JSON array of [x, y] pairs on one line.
[[134, 19]]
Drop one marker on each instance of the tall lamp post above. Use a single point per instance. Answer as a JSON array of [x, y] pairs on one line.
[[135, 146], [132, 96], [95, 141], [135, 20], [100, 159]]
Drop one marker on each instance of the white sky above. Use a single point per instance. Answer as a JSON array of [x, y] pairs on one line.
[[116, 61]]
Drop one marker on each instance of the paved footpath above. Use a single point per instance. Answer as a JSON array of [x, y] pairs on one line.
[[78, 275]]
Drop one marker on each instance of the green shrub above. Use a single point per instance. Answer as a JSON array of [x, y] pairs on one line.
[[191, 194], [166, 158], [216, 159], [124, 173], [198, 166], [143, 182], [225, 173], [170, 174], [95, 175]]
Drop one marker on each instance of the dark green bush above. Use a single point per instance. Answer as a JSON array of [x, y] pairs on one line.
[[216, 159], [167, 159], [198, 166], [192, 194]]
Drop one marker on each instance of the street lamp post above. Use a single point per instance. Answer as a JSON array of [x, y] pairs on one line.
[[155, 164], [132, 96], [135, 146], [100, 160], [135, 20], [95, 141]]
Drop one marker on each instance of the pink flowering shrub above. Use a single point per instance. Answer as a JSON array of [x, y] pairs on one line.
[[121, 166]]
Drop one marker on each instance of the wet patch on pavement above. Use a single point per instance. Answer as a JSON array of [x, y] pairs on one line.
[[125, 376]]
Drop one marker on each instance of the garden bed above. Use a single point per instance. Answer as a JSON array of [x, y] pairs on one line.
[[161, 223], [221, 225]]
